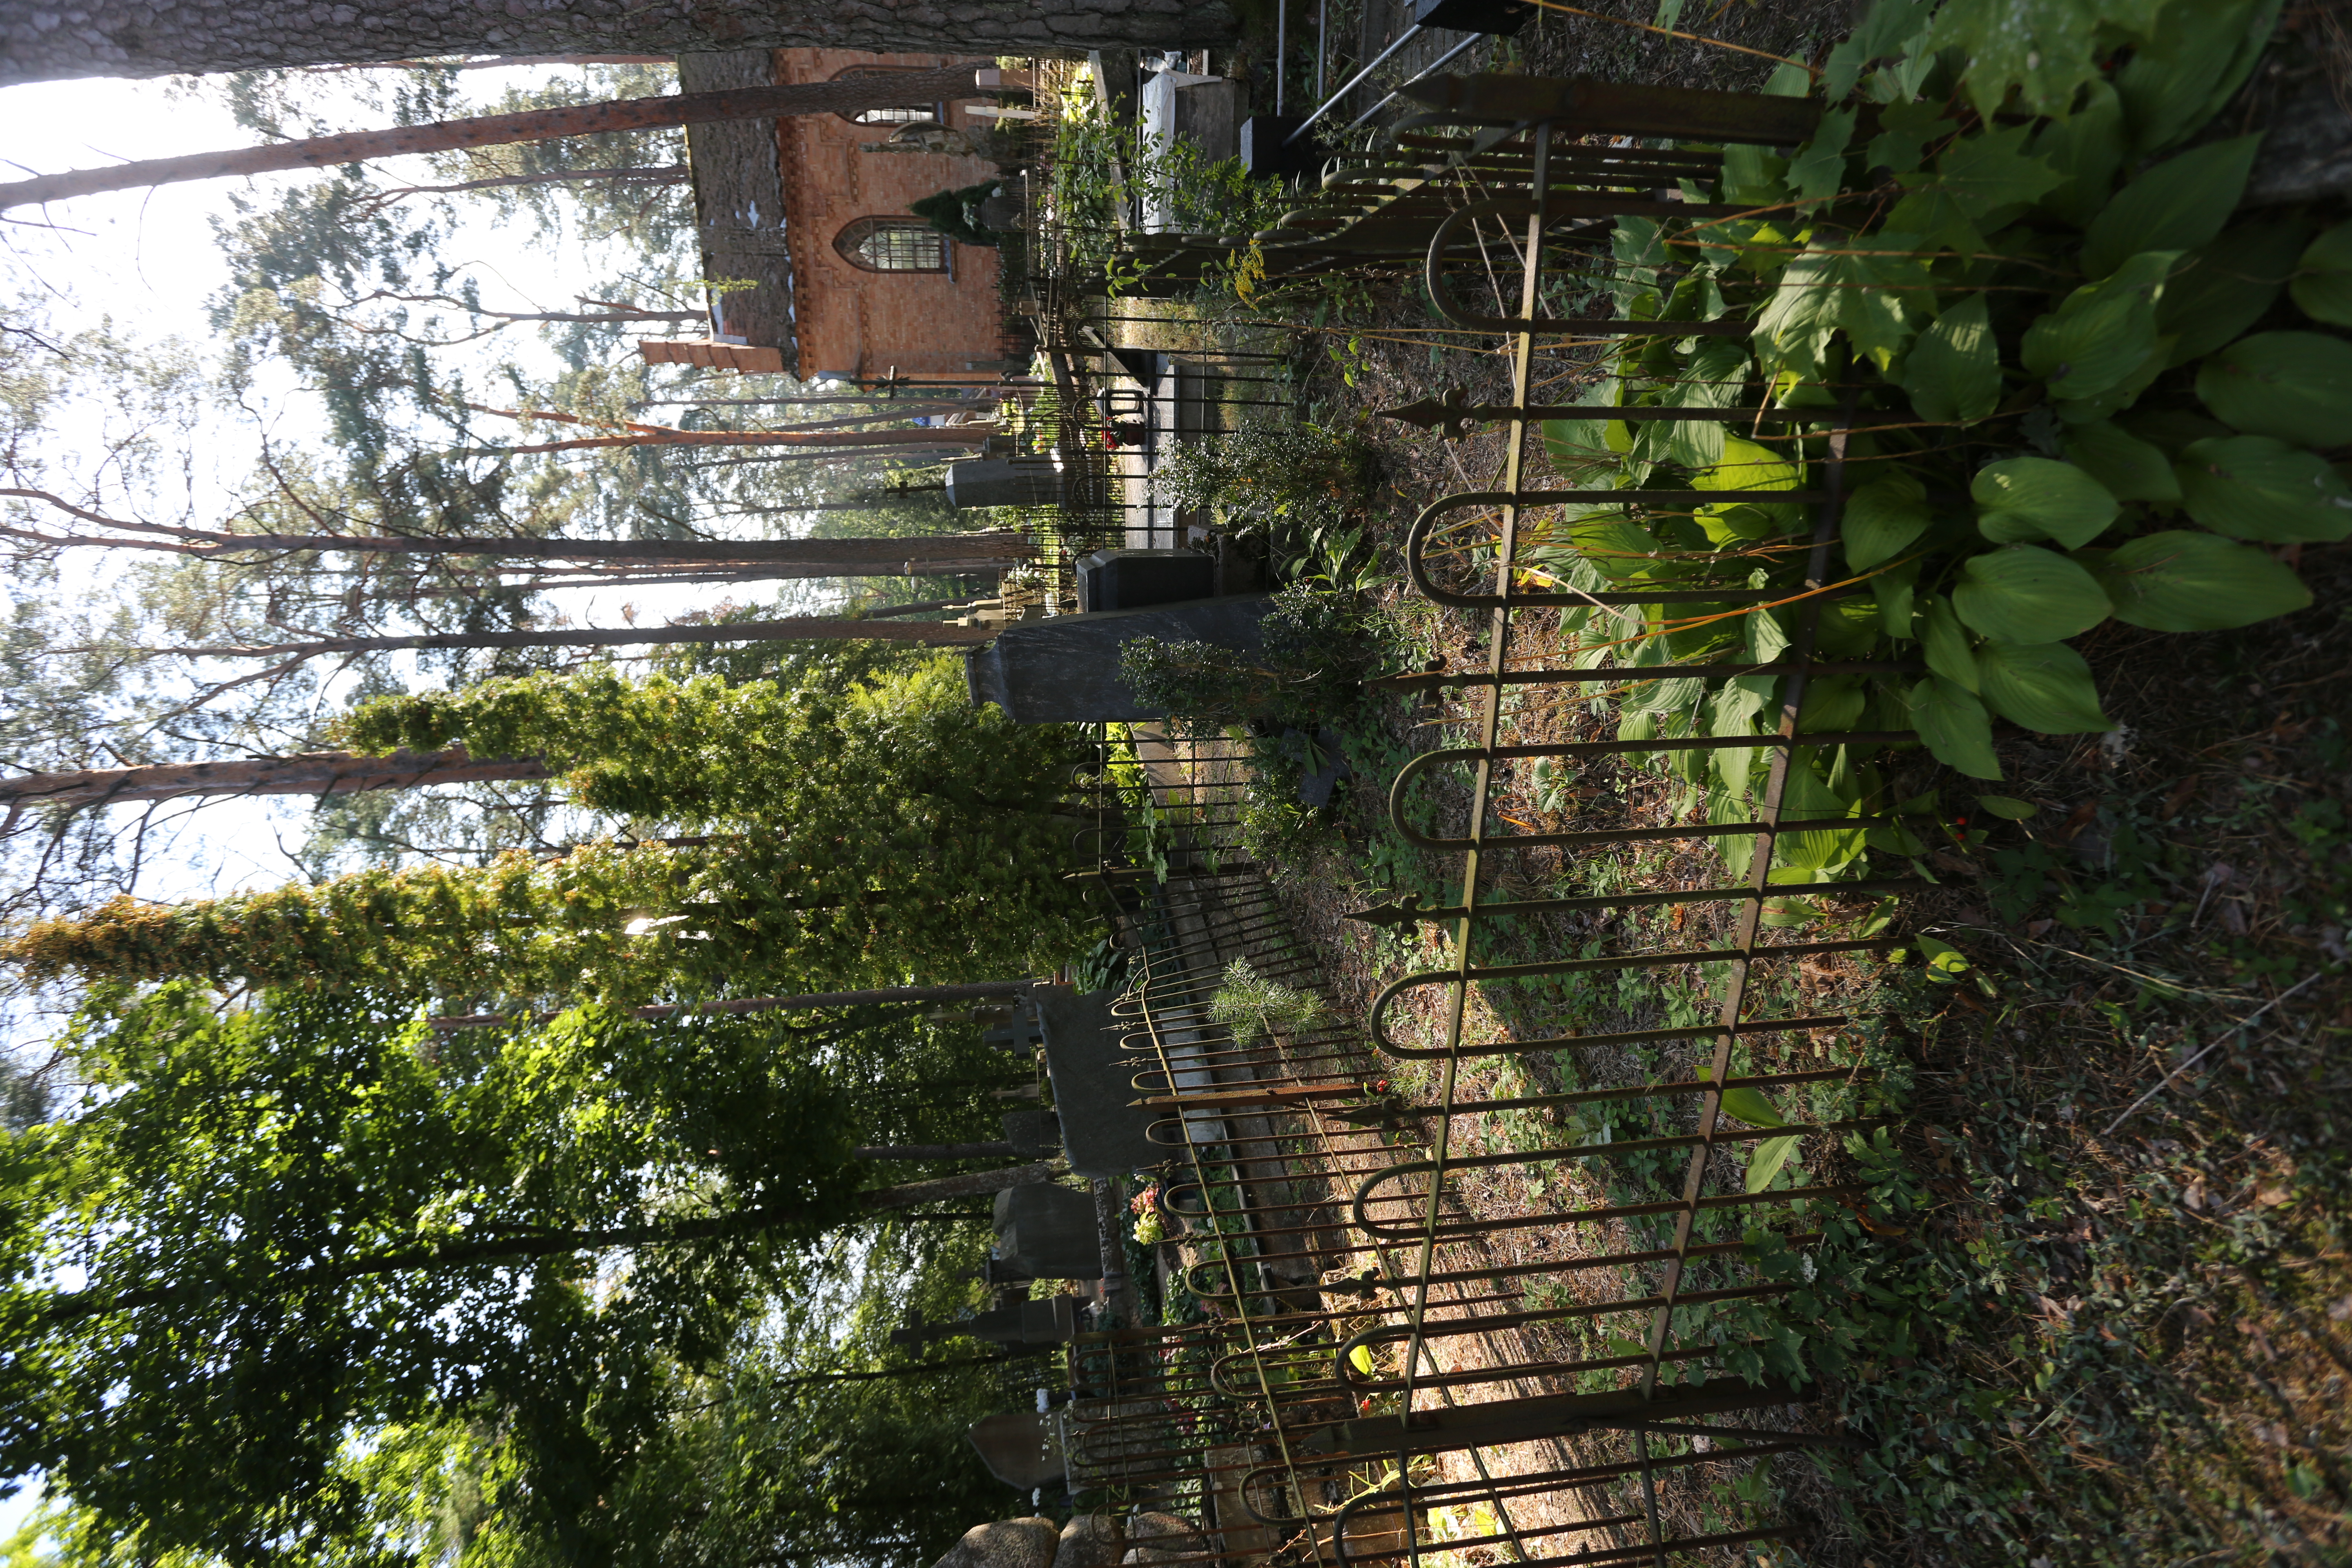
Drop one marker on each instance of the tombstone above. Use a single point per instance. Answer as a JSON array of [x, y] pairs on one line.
[[1267, 151], [1049, 1231], [1005, 481], [1023, 1451], [1034, 1134], [1018, 1036], [1052, 1321], [1064, 670], [1093, 1084], [1136, 579], [1202, 112]]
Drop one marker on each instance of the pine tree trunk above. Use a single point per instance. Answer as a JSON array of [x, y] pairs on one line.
[[311, 773], [825, 433], [72, 1308], [641, 174], [997, 548], [811, 628], [499, 62], [159, 38], [849, 93]]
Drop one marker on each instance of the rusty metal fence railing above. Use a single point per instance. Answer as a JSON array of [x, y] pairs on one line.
[[1442, 1311]]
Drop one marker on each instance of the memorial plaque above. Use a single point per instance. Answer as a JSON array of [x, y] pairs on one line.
[[1022, 1450]]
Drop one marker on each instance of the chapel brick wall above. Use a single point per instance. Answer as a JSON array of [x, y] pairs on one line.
[[852, 323]]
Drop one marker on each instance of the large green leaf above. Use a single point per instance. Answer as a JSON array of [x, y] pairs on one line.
[[1991, 176], [1808, 797], [2086, 147], [2323, 278], [1751, 1106], [1832, 702], [1953, 726], [1576, 444], [1882, 517], [2128, 468], [2102, 332], [1875, 297], [2046, 50], [1944, 642], [1953, 371], [1904, 130], [2184, 581], [2250, 487], [2120, 396], [1893, 592], [2296, 387], [2043, 686], [2179, 205], [1889, 25], [1619, 548], [2190, 63], [1818, 171], [1768, 1158], [1748, 466], [2025, 593], [2024, 499], [1716, 378], [2223, 288]]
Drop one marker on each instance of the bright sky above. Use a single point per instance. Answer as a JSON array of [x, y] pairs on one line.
[[147, 259]]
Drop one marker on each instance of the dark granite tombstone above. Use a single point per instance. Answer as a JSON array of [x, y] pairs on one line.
[[1020, 1449], [1064, 670], [1093, 1084], [1138, 579], [1052, 1321], [1005, 481], [1034, 1134], [1019, 1034], [1049, 1232]]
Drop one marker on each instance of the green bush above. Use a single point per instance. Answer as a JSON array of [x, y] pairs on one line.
[[2042, 329], [1309, 667], [1288, 481]]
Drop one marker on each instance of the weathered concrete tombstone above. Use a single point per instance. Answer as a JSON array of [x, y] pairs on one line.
[[1093, 1084], [1034, 1134], [1048, 1232], [1052, 1321]]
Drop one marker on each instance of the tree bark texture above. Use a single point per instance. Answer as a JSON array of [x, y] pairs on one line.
[[850, 93], [75, 1306], [311, 773], [1003, 547], [44, 40], [833, 434], [814, 629], [645, 175]]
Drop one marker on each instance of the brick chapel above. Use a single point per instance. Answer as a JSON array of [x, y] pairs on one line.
[[810, 213]]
